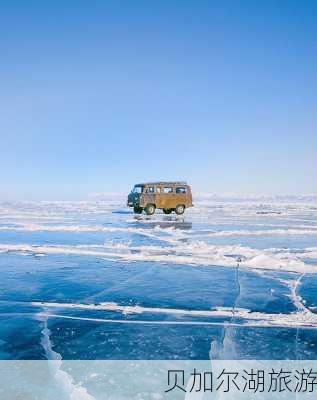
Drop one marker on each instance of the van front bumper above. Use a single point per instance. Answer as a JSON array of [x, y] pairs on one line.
[[133, 203], [133, 200]]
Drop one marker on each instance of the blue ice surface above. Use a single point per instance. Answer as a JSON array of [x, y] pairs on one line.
[[76, 333]]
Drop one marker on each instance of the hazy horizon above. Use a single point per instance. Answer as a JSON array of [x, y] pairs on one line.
[[198, 195]]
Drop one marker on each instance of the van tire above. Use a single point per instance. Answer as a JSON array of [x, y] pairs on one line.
[[167, 210], [137, 210], [180, 208], [150, 209]]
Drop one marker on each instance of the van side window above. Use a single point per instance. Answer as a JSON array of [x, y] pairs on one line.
[[150, 189], [168, 190], [180, 190]]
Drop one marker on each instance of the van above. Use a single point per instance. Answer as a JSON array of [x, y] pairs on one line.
[[167, 196]]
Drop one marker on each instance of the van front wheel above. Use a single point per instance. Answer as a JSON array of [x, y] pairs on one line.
[[150, 209], [180, 208], [137, 210], [167, 210]]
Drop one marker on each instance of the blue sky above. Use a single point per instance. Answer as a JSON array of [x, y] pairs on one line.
[[98, 95]]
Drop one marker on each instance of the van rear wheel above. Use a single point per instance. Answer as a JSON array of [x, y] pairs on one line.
[[137, 210], [180, 208], [150, 209], [167, 210]]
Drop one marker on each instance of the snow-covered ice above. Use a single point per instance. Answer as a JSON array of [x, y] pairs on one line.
[[233, 278]]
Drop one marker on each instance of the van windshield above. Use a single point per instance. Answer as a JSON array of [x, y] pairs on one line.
[[137, 189]]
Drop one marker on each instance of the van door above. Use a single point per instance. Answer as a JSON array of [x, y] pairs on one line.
[[159, 197], [148, 196], [168, 197]]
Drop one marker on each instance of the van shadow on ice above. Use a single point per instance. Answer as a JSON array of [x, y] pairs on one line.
[[166, 222]]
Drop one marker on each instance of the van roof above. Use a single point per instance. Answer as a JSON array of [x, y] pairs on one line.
[[162, 183]]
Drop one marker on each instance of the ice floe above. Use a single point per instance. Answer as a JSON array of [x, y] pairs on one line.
[[303, 318], [197, 253]]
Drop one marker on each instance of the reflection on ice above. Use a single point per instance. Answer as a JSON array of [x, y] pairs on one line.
[[167, 221]]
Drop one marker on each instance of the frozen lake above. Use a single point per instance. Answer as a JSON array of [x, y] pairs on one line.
[[89, 280]]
